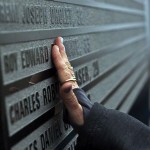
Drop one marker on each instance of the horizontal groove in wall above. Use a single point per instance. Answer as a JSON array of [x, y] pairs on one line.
[[133, 95], [106, 50], [66, 141], [131, 89], [104, 6], [32, 35], [75, 62], [120, 93], [124, 79], [131, 98], [107, 72]]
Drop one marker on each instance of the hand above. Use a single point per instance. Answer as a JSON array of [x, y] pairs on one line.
[[65, 73]]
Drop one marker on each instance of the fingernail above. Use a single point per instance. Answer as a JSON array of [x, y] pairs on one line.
[[62, 40], [67, 90]]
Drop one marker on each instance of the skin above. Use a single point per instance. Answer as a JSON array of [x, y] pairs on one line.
[[70, 101]]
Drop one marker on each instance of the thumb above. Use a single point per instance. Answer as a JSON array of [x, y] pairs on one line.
[[70, 101]]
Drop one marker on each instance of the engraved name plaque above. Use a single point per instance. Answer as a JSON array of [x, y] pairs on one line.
[[105, 42]]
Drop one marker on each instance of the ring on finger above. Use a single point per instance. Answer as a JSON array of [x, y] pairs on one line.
[[70, 67], [73, 79], [73, 75], [68, 64]]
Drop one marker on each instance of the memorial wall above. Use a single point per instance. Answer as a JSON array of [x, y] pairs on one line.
[[106, 42]]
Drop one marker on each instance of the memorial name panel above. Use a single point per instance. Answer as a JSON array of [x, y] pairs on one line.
[[52, 15], [130, 99], [121, 92], [19, 62], [28, 104], [47, 136], [100, 89], [33, 101], [23, 106], [105, 44]]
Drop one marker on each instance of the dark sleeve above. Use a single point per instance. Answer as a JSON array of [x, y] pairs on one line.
[[107, 129]]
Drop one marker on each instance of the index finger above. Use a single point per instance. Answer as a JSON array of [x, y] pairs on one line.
[[59, 43], [63, 72]]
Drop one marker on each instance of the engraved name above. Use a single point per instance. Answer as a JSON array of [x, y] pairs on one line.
[[29, 58], [10, 62], [77, 46], [9, 13], [24, 107], [50, 135], [60, 15], [33, 102], [34, 56], [82, 75], [34, 15], [72, 146], [53, 16]]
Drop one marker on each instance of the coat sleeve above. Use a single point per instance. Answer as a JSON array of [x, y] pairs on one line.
[[107, 129]]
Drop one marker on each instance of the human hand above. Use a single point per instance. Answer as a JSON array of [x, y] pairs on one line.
[[67, 82]]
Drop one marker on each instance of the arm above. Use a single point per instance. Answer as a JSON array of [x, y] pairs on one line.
[[98, 127]]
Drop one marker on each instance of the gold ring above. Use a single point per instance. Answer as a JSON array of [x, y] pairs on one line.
[[73, 75], [71, 79], [70, 67], [68, 64], [31, 83]]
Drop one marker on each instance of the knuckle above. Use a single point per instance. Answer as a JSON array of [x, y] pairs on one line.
[[54, 55]]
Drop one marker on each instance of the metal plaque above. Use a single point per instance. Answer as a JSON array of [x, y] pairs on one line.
[[105, 42]]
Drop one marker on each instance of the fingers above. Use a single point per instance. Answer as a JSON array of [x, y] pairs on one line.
[[63, 67], [60, 65], [68, 96], [66, 74], [58, 60], [59, 43], [74, 108]]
